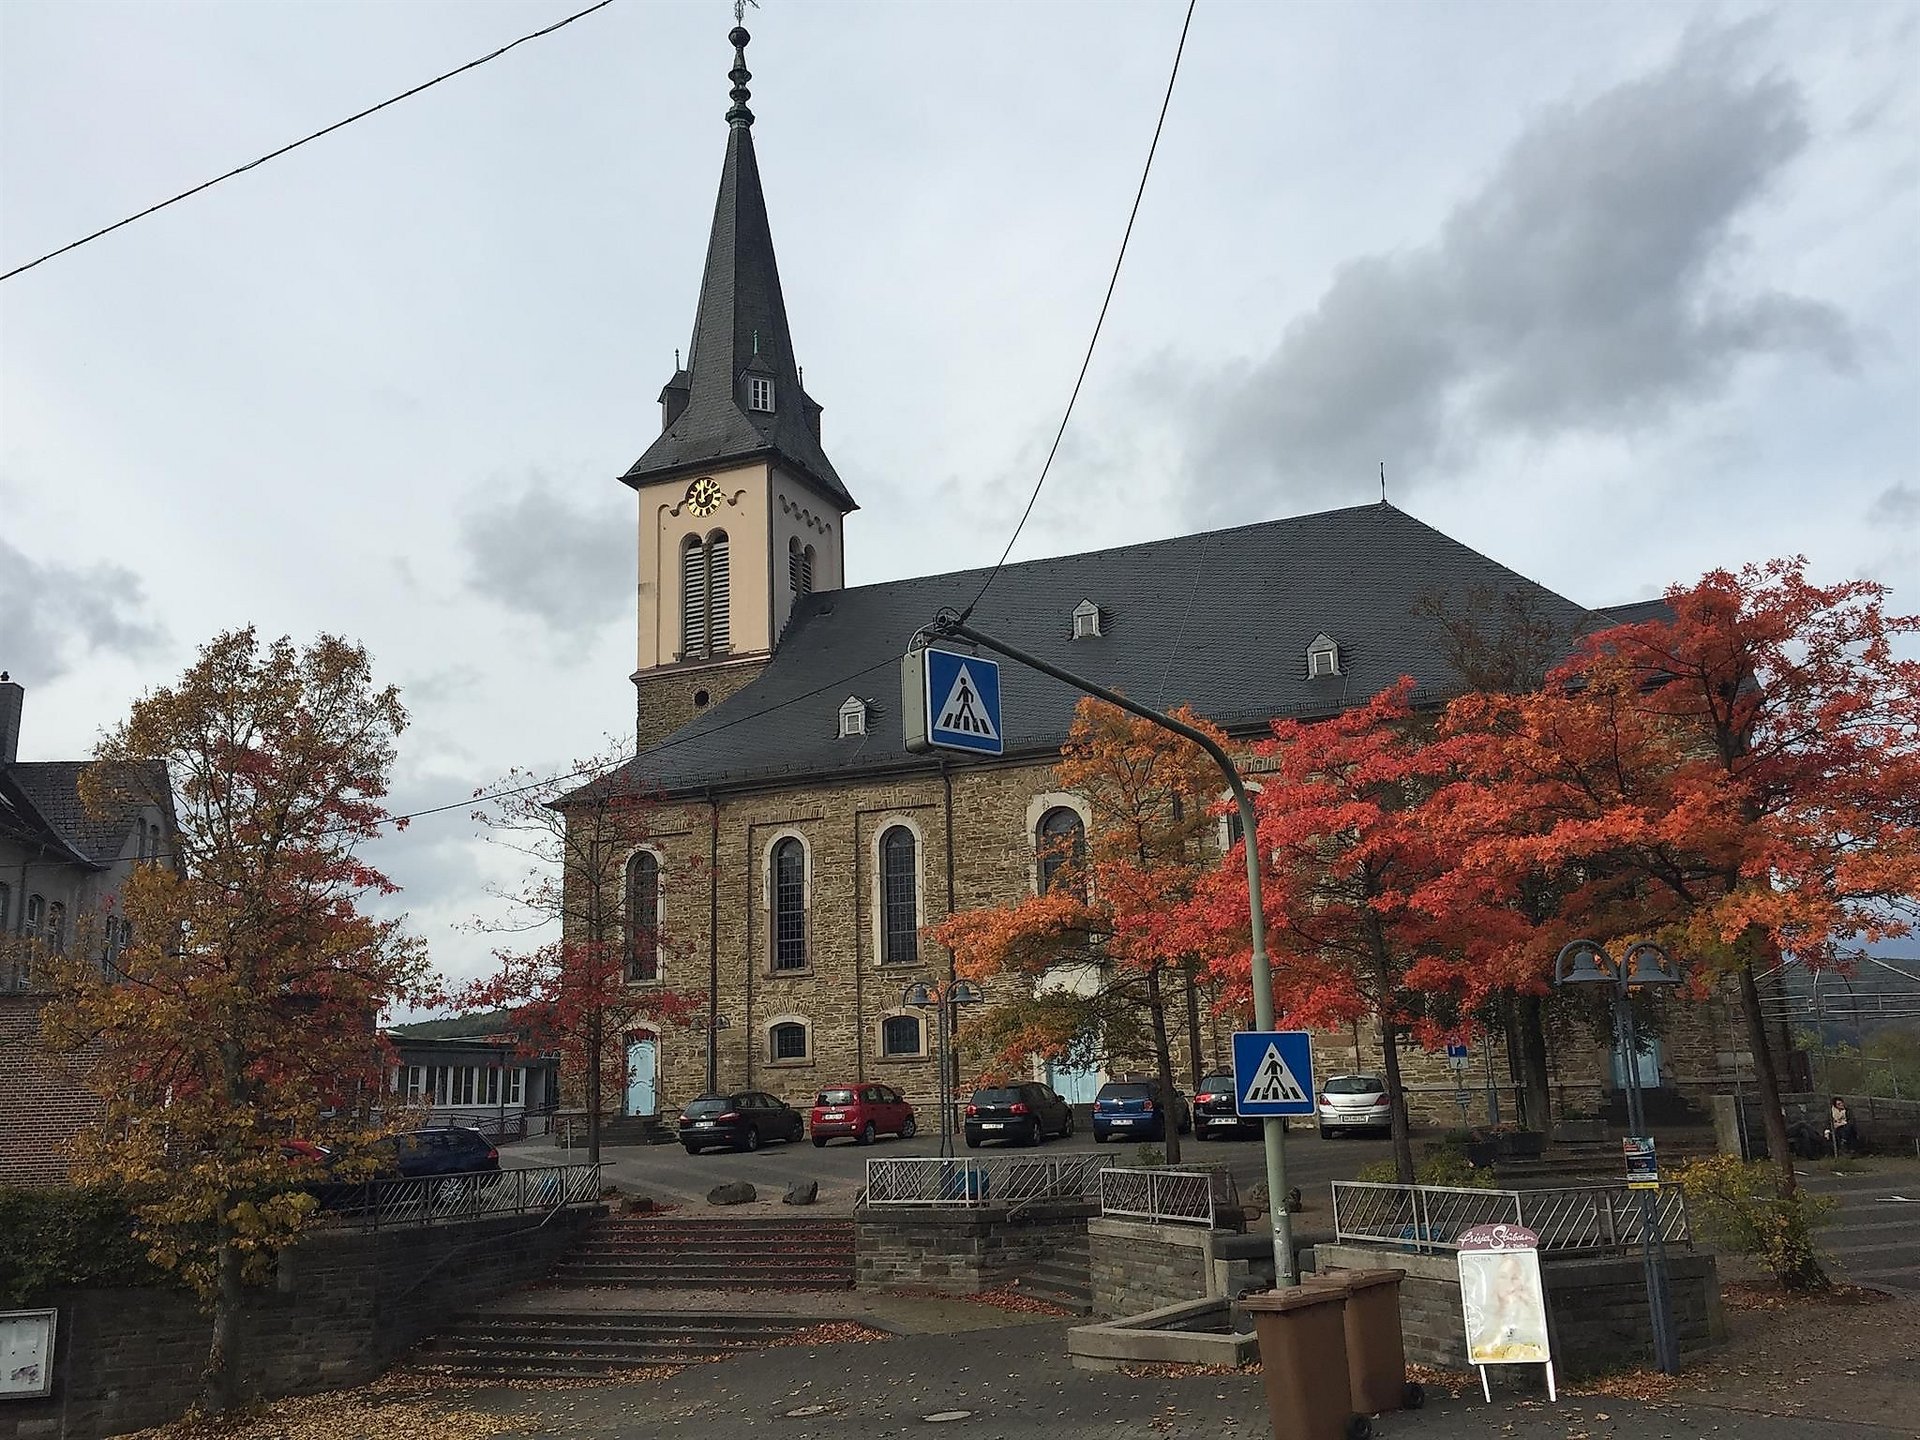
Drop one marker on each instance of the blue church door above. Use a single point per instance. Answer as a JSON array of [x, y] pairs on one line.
[[643, 1096]]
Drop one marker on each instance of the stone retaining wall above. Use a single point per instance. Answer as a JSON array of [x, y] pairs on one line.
[[1137, 1266], [343, 1307], [1597, 1316], [961, 1251]]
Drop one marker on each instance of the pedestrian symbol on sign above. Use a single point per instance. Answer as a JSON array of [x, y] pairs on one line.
[[1273, 1082], [962, 711]]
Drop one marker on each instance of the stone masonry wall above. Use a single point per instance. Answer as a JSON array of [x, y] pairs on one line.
[[344, 1307], [959, 1252], [1597, 1317], [1142, 1267], [44, 1100]]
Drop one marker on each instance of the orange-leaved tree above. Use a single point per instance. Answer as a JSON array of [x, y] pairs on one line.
[[1741, 780], [1344, 849], [1086, 970], [244, 1008], [590, 966]]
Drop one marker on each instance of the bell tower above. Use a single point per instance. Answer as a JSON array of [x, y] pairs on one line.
[[740, 511]]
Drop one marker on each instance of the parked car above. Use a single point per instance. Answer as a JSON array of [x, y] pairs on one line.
[[1214, 1112], [1026, 1113], [743, 1120], [861, 1112], [1354, 1102], [450, 1150], [1132, 1107]]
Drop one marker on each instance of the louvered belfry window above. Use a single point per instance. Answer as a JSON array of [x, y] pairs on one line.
[[789, 905], [706, 592], [799, 568], [899, 898]]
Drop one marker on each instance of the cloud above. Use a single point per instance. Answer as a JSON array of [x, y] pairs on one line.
[[1897, 505], [563, 561], [51, 614], [1584, 288]]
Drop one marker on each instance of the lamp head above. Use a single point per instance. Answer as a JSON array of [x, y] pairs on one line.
[[1648, 964], [919, 995], [1579, 964], [965, 992]]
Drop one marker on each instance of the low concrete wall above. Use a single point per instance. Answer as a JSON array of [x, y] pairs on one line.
[[1597, 1316], [1197, 1332], [959, 1252], [1138, 1266], [343, 1307]]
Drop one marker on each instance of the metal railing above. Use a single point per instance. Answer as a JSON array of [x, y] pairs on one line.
[[451, 1199], [1593, 1219], [1182, 1195], [995, 1180]]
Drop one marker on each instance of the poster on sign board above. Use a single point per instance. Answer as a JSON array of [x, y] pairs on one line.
[[26, 1353], [1502, 1299]]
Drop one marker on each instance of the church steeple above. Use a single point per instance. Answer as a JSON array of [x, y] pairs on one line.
[[739, 395]]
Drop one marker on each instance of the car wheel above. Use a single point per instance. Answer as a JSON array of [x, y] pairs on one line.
[[867, 1135], [752, 1142], [819, 1142], [693, 1149], [1038, 1134], [1069, 1130], [1098, 1138], [909, 1130], [972, 1144]]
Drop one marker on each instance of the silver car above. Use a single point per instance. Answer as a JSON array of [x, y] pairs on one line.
[[1354, 1102]]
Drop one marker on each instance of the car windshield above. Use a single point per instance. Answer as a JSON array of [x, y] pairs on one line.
[[1354, 1085], [836, 1097], [1217, 1082], [709, 1105], [1004, 1095], [1130, 1090]]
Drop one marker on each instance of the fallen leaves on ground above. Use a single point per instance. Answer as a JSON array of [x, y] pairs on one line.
[[1455, 1382], [1767, 1295], [1629, 1385], [386, 1409], [1179, 1370], [1008, 1297], [834, 1332]]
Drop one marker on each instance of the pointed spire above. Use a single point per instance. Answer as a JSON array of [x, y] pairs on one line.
[[739, 114], [739, 331]]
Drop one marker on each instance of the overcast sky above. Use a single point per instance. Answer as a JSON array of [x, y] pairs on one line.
[[1617, 292]]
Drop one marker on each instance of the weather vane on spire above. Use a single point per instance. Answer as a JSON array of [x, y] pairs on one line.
[[740, 10]]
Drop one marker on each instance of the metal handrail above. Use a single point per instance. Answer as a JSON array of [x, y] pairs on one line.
[[930, 1182], [1569, 1219], [453, 1199], [1183, 1195]]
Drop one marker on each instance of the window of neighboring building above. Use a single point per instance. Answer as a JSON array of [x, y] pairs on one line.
[[1062, 840], [57, 926], [788, 1040], [900, 1035], [759, 393], [1323, 657], [34, 916], [643, 916], [6, 907], [790, 904], [899, 897], [853, 718], [1086, 621]]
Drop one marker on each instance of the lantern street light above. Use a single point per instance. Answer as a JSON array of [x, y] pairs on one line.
[[1584, 963], [944, 1001]]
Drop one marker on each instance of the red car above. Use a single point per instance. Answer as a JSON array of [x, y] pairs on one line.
[[861, 1111]]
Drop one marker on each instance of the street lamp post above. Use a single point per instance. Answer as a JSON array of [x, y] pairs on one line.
[[1584, 963], [943, 1000]]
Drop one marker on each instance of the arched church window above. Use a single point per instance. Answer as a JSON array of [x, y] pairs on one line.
[[790, 905], [1062, 838], [899, 897], [643, 916], [900, 1035]]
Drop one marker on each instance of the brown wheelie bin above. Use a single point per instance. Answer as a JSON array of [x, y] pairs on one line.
[[1376, 1349], [1303, 1362]]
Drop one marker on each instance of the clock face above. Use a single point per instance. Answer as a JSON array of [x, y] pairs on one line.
[[703, 496]]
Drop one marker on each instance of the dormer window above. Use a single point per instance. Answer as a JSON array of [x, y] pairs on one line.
[[1086, 621], [1323, 658], [853, 717], [760, 393]]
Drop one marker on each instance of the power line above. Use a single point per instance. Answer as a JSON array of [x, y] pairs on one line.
[[1087, 360], [276, 154]]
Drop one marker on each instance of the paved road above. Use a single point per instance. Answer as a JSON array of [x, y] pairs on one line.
[[670, 1175], [1874, 1236]]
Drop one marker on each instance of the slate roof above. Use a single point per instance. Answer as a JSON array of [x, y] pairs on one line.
[[48, 791], [1636, 612], [1221, 620], [740, 324]]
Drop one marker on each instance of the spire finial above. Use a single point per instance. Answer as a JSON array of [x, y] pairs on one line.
[[738, 38]]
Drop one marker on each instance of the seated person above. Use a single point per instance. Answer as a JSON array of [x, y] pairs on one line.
[[1840, 1129]]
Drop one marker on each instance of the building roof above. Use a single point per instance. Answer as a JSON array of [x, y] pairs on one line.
[[1636, 612], [740, 325], [46, 793], [1220, 620]]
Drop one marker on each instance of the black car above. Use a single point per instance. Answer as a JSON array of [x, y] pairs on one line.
[[1214, 1114], [744, 1120], [1132, 1107], [1025, 1114], [453, 1150]]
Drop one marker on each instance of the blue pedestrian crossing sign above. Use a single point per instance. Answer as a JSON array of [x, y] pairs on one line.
[[1273, 1072], [951, 701]]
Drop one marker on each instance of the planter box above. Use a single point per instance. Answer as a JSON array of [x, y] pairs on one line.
[[1581, 1132]]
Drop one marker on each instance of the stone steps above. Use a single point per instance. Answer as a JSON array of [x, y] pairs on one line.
[[562, 1345], [645, 1253]]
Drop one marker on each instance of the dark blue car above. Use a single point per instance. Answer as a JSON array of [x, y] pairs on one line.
[[1127, 1109]]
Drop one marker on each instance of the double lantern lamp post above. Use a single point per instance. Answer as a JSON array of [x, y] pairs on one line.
[[944, 1000]]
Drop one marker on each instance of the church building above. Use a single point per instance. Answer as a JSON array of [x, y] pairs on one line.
[[800, 851]]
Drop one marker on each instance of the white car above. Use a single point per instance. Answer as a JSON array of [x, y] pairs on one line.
[[1354, 1102]]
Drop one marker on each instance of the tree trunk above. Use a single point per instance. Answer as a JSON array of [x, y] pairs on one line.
[[1768, 1081], [1163, 1058], [1396, 1101], [1193, 1025], [216, 1381], [596, 1043], [1536, 1084]]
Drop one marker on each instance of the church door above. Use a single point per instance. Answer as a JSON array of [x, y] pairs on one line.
[[643, 1096]]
